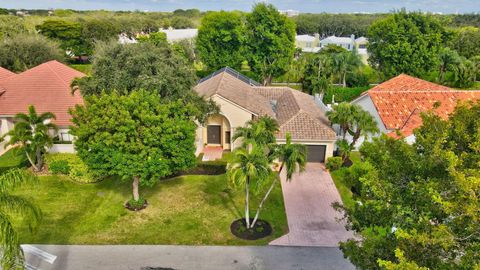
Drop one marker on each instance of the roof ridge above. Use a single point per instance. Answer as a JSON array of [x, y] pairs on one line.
[[55, 72]]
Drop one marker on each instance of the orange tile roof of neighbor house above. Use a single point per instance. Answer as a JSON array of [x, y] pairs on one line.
[[400, 101], [46, 86], [5, 73]]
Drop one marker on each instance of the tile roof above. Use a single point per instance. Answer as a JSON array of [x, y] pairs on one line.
[[295, 111], [46, 86], [5, 73], [401, 100], [235, 90]]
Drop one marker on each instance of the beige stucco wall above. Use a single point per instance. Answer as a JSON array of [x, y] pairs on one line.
[[231, 117]]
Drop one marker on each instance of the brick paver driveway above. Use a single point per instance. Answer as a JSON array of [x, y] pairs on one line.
[[311, 219]]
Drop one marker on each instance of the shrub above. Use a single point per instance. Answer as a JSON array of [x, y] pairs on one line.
[[59, 167], [343, 94], [77, 170], [355, 173], [334, 163], [357, 79]]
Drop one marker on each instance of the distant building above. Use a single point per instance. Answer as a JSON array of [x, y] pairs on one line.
[[125, 39], [174, 35], [314, 44], [290, 12]]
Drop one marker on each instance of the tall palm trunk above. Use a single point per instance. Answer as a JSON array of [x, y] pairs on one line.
[[344, 80], [266, 195], [136, 181], [247, 209], [39, 159]]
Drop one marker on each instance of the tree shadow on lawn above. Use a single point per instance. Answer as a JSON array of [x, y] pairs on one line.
[[216, 194]]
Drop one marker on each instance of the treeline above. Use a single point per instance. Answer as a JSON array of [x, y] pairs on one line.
[[327, 24]]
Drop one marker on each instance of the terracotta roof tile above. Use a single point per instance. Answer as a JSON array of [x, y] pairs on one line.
[[401, 100], [5, 73], [46, 86]]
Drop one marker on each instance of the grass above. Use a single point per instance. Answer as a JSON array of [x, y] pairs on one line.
[[187, 210], [84, 68], [342, 187]]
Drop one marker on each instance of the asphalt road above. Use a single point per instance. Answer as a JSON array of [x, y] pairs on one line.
[[143, 257]]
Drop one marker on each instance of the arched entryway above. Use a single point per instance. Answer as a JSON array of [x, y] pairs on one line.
[[217, 132]]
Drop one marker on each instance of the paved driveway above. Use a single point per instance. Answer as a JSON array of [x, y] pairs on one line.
[[312, 221], [190, 258]]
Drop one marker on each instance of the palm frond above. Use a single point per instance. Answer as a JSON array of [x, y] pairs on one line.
[[12, 204], [15, 177], [12, 254]]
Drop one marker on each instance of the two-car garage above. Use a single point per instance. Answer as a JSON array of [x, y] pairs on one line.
[[316, 153]]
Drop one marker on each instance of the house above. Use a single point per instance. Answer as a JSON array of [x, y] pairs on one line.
[[47, 87], [174, 35], [308, 43], [241, 99], [5, 73], [289, 12], [397, 104], [314, 44]]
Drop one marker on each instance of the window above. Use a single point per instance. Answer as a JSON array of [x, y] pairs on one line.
[[65, 137], [227, 137], [362, 46]]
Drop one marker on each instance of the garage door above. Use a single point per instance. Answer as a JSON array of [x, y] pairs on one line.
[[316, 153]]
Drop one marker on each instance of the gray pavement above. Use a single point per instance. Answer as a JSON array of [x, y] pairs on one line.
[[312, 221], [141, 257]]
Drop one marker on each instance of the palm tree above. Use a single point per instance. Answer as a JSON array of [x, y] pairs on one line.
[[10, 206], [293, 157], [31, 131], [250, 167], [447, 60], [260, 131]]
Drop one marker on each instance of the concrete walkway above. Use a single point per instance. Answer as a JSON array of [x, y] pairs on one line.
[[190, 258], [312, 221]]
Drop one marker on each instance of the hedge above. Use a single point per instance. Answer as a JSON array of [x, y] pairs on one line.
[[71, 165], [343, 94]]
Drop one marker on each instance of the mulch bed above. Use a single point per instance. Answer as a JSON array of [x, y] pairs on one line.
[[260, 230], [134, 208]]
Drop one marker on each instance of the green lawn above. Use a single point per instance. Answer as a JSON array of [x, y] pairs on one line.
[[13, 158], [189, 210], [343, 189]]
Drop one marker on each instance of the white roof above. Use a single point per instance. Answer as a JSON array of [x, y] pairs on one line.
[[124, 39], [305, 38], [361, 39], [337, 40], [179, 34], [311, 50]]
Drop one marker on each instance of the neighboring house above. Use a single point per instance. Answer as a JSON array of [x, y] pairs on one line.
[[314, 44], [123, 38], [397, 104], [47, 87], [289, 12], [174, 35], [240, 100], [308, 43]]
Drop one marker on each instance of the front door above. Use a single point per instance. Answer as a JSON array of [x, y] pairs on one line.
[[214, 134]]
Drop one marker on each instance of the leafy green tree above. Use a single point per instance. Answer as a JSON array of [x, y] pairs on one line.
[[249, 168], [156, 38], [405, 42], [221, 39], [69, 34], [419, 207], [270, 42], [124, 68], [134, 136], [448, 59], [11, 26], [465, 41], [476, 66], [317, 74], [353, 121], [32, 132], [11, 207], [98, 29], [464, 74], [24, 51]]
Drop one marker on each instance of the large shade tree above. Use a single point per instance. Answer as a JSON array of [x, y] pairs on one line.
[[135, 136], [68, 33], [33, 132], [418, 206], [125, 68], [220, 40], [405, 42], [270, 41], [24, 51], [12, 207]]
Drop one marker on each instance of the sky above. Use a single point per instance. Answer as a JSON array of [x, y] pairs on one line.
[[313, 6]]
